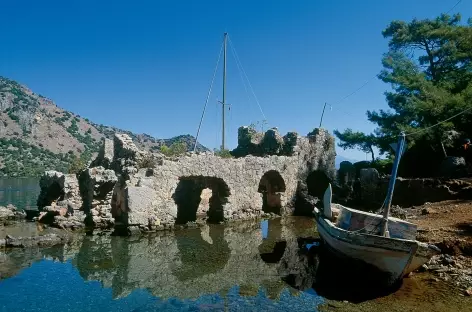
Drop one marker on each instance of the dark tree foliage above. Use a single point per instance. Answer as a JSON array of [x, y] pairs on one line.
[[429, 69]]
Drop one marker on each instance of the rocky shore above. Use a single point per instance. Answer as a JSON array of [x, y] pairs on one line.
[[46, 240], [14, 221], [10, 214], [439, 223], [448, 225]]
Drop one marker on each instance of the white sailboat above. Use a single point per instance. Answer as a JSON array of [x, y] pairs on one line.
[[387, 243]]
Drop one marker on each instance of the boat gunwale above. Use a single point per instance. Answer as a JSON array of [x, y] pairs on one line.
[[406, 243]]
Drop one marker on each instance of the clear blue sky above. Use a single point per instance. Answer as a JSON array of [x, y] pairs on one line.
[[146, 65]]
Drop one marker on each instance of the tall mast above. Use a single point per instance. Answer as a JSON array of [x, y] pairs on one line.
[[393, 177], [223, 103]]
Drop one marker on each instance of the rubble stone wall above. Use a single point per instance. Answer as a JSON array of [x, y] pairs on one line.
[[154, 196], [371, 189], [130, 187]]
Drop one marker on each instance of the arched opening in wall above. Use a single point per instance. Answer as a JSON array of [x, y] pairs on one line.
[[271, 186], [188, 197], [53, 193], [317, 182]]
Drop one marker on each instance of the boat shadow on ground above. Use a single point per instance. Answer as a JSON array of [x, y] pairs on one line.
[[465, 228], [337, 278]]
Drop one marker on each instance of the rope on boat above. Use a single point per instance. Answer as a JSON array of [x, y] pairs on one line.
[[372, 221]]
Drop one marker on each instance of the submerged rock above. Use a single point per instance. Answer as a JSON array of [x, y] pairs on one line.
[[468, 291], [6, 213], [40, 241], [10, 213]]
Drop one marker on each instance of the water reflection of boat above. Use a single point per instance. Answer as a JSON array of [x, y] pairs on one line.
[[387, 243]]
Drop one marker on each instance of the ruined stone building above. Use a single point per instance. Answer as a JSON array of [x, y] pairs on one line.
[[127, 187]]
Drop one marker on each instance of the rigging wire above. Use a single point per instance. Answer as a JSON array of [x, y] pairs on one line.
[[208, 97], [458, 2], [217, 122], [356, 90], [244, 72], [241, 74], [441, 122]]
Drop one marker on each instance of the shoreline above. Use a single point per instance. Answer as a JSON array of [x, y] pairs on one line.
[[440, 223]]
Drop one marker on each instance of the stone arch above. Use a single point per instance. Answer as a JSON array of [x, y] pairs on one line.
[[53, 192], [187, 197], [317, 183], [271, 186]]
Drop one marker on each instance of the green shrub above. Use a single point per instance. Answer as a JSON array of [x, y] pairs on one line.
[[30, 160], [13, 116], [176, 149], [223, 153], [77, 165], [147, 161]]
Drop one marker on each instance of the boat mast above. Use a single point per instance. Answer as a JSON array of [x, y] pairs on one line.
[[393, 177], [223, 103]]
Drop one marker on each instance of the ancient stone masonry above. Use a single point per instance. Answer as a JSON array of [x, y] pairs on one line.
[[59, 200], [105, 155], [57, 186], [140, 190], [367, 190], [96, 186]]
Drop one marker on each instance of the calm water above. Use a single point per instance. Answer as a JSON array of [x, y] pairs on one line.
[[247, 266], [21, 192], [215, 268]]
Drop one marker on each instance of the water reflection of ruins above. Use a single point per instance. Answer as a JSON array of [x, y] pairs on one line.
[[192, 262]]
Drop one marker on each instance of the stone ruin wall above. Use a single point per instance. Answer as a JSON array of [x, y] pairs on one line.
[[136, 189], [372, 187], [154, 195]]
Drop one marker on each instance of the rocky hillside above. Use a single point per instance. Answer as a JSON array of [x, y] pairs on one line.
[[37, 135]]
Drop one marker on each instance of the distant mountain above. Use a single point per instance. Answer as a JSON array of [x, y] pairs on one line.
[[36, 135], [340, 159]]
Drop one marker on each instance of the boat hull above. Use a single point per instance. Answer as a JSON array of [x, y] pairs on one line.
[[395, 257]]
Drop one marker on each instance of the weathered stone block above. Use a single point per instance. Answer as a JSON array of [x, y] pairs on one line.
[[272, 144], [139, 204], [105, 155], [290, 141], [346, 173], [96, 186], [369, 176]]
